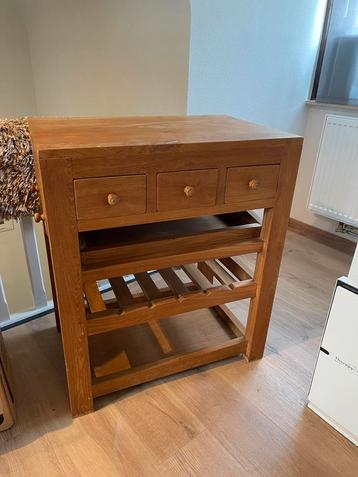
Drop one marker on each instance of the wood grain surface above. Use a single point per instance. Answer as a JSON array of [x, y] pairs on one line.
[[67, 133]]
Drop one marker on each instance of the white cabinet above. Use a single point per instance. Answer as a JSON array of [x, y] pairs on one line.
[[334, 389]]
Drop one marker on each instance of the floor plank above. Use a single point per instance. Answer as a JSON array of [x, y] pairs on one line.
[[226, 419]]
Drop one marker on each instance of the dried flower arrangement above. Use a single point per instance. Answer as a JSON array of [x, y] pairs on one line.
[[18, 196]]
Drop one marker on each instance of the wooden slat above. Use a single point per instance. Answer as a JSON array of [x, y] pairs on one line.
[[167, 366], [198, 278], [137, 314], [235, 268], [148, 286], [114, 365], [140, 298], [173, 281], [152, 293], [220, 273], [206, 271], [94, 297], [160, 336], [121, 291], [230, 319]]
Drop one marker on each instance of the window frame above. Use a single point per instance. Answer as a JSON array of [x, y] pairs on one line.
[[322, 49]]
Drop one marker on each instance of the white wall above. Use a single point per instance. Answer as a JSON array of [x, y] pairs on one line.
[[254, 59], [353, 272], [16, 99], [109, 57], [16, 85]]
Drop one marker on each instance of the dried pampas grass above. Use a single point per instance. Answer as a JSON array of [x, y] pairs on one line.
[[17, 176]]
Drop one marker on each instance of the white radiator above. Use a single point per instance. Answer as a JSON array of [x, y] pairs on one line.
[[334, 190]]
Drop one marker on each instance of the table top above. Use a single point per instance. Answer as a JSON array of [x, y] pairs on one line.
[[50, 134]]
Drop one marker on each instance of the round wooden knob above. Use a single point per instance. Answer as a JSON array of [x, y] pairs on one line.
[[38, 217], [253, 184], [112, 198], [189, 191]]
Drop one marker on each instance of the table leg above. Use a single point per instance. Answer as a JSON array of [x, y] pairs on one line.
[[273, 233], [65, 256]]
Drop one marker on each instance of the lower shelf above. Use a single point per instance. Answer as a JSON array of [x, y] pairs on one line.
[[165, 322], [196, 338]]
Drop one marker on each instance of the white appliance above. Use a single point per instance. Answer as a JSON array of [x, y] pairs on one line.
[[334, 389]]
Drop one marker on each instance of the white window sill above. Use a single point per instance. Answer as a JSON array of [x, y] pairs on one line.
[[317, 104]]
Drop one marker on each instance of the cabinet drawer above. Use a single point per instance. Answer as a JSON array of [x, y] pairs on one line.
[[251, 183], [110, 196], [186, 189]]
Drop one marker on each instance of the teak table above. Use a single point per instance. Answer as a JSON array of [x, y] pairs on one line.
[[163, 201]]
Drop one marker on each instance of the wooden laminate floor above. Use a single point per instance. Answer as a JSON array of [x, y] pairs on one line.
[[227, 419]]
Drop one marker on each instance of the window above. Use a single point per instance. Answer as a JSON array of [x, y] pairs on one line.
[[336, 79]]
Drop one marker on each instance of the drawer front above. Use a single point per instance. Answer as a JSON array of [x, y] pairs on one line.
[[251, 183], [110, 196], [186, 189]]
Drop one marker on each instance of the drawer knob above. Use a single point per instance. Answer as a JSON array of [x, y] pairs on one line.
[[38, 217], [112, 198], [189, 191], [253, 184]]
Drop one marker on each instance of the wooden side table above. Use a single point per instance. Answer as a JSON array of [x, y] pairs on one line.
[[127, 196]]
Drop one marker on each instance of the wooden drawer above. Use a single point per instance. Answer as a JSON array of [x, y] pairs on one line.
[[186, 189], [251, 183], [110, 196]]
